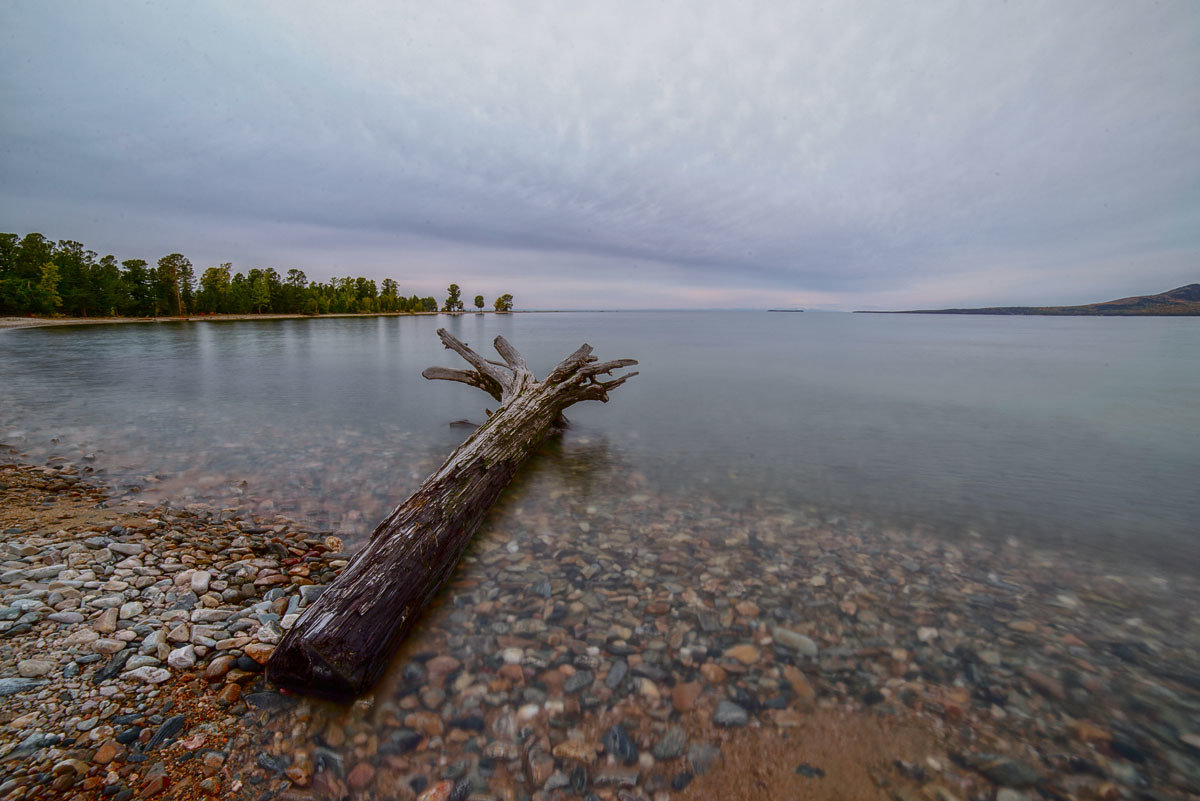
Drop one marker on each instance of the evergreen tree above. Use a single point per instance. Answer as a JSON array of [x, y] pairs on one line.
[[453, 299], [45, 296]]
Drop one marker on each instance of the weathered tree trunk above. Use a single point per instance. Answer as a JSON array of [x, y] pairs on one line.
[[342, 643]]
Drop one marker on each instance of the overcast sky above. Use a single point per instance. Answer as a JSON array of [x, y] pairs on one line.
[[622, 155]]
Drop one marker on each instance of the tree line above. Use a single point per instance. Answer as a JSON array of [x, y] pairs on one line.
[[40, 276]]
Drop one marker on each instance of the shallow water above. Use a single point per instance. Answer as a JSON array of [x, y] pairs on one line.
[[1081, 430]]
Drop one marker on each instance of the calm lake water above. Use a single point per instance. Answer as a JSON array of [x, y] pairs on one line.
[[1083, 431]]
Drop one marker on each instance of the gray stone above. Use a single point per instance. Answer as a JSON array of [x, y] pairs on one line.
[[12, 686], [579, 680], [131, 610], [65, 617], [108, 647], [141, 660], [671, 745], [150, 675], [615, 674], [182, 658], [200, 581], [796, 641], [557, 780], [1007, 772], [728, 713], [203, 615], [33, 668]]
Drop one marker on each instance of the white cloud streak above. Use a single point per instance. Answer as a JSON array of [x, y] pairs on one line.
[[674, 154]]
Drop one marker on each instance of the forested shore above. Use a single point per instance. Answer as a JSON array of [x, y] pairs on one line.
[[44, 277]]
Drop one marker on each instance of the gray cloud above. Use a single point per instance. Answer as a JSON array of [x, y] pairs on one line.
[[862, 155]]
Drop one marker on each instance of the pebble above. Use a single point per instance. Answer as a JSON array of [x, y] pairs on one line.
[[149, 675], [671, 745], [182, 658], [33, 668], [617, 743], [728, 713], [799, 643], [666, 606]]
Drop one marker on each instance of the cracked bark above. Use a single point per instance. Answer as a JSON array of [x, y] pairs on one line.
[[342, 643]]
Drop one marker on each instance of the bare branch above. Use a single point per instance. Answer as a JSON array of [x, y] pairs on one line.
[[606, 367], [512, 356], [481, 365], [570, 364], [616, 382], [463, 377]]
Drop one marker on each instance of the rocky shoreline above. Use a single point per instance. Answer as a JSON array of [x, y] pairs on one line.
[[640, 646]]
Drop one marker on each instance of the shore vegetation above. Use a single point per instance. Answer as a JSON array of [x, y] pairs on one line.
[[39, 276]]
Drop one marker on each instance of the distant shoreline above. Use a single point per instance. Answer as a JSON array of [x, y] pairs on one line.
[[1034, 312], [44, 322], [1182, 301]]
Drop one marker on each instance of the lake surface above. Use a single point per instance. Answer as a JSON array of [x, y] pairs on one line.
[[1077, 431]]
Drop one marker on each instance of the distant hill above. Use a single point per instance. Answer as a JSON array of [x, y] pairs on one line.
[[1184, 301]]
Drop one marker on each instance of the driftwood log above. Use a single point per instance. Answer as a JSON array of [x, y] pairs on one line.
[[341, 644]]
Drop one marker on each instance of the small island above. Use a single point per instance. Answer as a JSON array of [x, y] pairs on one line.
[[1183, 301]]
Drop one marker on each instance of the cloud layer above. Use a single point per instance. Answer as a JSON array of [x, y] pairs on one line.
[[622, 155]]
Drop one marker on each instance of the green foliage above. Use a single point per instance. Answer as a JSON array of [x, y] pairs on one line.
[[504, 303], [453, 299], [45, 297], [174, 285], [38, 276], [479, 302]]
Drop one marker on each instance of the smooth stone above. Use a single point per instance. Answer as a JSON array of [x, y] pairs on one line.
[[577, 681], [617, 743], [182, 658], [1007, 772], [310, 593], [131, 610], [218, 667], [259, 652], [12, 686], [150, 675], [107, 622], [746, 654], [797, 642], [557, 780], [271, 702], [200, 581], [33, 668], [66, 617], [671, 745], [728, 713], [141, 660], [615, 674]]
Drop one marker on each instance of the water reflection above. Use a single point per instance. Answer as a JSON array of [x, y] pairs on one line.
[[1077, 431]]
